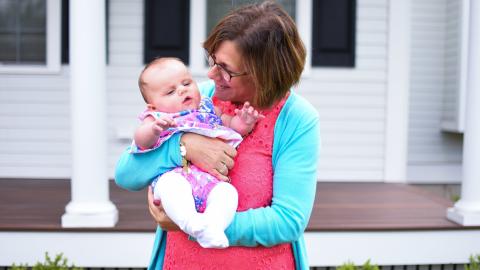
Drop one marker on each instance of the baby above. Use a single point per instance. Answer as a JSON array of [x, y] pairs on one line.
[[200, 204]]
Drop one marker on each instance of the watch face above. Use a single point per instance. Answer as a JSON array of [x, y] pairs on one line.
[[183, 150]]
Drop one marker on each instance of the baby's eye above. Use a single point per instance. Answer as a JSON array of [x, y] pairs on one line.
[[170, 92], [186, 83]]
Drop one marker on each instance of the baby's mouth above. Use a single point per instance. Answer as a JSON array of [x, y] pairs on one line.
[[187, 100]]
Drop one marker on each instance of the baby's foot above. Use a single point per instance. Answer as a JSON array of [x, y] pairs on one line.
[[212, 237], [195, 226]]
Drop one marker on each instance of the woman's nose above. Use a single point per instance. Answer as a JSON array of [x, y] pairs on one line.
[[213, 73]]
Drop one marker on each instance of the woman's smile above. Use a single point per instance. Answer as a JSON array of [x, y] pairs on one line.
[[221, 88]]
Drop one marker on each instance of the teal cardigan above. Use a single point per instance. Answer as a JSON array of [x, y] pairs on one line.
[[295, 154]]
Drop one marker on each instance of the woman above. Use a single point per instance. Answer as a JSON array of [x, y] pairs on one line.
[[256, 55]]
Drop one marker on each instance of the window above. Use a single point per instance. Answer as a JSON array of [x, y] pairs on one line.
[[167, 29], [216, 9], [326, 26], [333, 33], [28, 37], [23, 31]]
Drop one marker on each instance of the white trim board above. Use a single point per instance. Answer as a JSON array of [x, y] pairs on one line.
[[457, 124], [198, 33], [435, 174], [109, 249], [392, 248], [84, 249]]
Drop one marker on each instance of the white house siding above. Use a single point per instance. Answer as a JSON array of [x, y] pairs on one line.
[[35, 114], [125, 63], [351, 102], [452, 59], [433, 155], [34, 126]]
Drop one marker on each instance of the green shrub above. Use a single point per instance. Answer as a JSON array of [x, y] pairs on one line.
[[455, 198], [347, 266], [59, 263], [19, 267], [366, 266], [474, 263]]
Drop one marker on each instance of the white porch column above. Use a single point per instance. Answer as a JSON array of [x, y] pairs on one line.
[[90, 205], [398, 89], [467, 210]]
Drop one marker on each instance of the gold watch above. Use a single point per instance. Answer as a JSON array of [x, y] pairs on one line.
[[183, 153]]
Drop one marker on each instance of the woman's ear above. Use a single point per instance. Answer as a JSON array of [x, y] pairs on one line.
[[150, 107]]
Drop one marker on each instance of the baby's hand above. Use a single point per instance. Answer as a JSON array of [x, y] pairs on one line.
[[162, 123], [248, 114]]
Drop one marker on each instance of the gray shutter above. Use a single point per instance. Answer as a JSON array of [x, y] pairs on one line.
[[333, 37], [167, 29]]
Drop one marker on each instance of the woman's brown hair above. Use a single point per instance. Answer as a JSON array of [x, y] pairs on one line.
[[270, 45]]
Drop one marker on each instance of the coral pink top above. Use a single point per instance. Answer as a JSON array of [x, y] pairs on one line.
[[252, 175]]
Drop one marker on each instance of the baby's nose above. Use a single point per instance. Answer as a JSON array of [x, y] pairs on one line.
[[182, 90]]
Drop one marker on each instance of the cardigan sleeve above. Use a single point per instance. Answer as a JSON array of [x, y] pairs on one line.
[[294, 158], [136, 171]]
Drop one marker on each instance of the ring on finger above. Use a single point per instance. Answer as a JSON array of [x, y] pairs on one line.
[[224, 169], [221, 171]]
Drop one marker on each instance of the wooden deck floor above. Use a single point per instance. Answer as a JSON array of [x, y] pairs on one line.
[[37, 205]]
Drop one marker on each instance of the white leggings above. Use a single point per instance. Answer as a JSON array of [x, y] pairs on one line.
[[175, 193]]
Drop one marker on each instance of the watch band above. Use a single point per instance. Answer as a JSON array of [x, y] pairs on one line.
[[183, 153]]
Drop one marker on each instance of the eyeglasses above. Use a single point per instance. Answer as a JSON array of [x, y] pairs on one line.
[[226, 74]]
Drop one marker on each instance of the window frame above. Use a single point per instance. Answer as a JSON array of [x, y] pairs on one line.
[[198, 23], [336, 57], [157, 17], [53, 46]]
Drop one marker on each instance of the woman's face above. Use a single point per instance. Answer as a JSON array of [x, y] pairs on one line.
[[240, 88]]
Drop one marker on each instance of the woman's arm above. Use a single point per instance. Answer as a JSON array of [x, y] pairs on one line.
[[136, 171], [210, 154], [295, 159]]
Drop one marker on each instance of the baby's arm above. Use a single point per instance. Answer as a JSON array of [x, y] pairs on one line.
[[148, 132], [244, 119]]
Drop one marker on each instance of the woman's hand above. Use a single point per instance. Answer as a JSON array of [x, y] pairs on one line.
[[159, 215], [211, 155]]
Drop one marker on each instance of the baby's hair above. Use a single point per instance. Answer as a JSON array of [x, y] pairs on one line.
[[154, 62]]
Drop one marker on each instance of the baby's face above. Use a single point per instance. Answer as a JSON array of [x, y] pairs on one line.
[[171, 88]]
